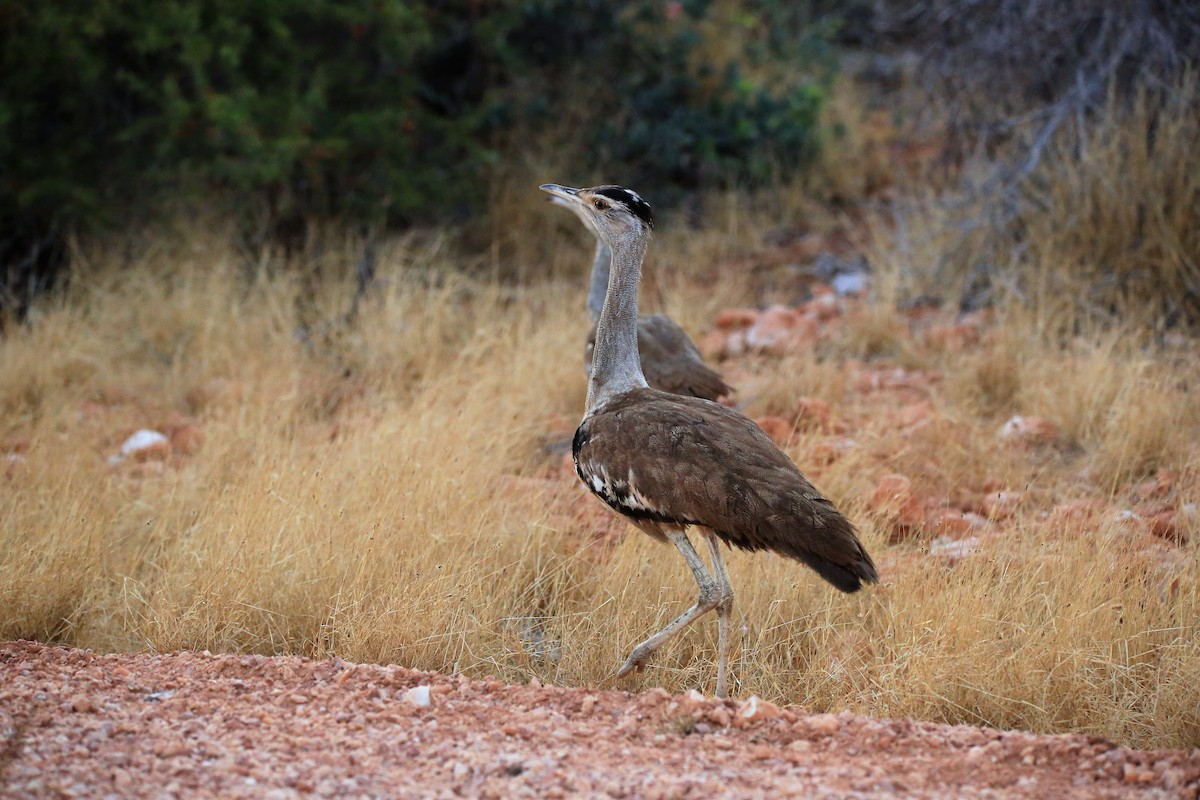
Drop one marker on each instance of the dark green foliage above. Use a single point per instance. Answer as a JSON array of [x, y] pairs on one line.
[[371, 112], [681, 95]]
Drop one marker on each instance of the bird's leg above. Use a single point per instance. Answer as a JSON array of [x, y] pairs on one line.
[[709, 597], [724, 610]]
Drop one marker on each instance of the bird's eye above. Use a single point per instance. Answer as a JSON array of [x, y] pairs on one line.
[[601, 205]]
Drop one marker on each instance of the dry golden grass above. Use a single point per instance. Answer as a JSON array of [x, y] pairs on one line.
[[381, 490], [1102, 224], [381, 493]]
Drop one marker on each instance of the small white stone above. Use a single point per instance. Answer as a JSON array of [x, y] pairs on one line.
[[418, 696], [954, 549], [144, 440], [849, 282]]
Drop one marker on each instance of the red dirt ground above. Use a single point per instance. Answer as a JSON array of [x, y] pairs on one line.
[[77, 724]]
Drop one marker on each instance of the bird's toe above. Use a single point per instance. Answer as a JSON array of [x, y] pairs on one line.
[[636, 661]]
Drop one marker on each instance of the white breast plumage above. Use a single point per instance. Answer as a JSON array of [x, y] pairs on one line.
[[619, 493]]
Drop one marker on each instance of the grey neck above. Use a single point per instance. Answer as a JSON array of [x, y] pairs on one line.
[[599, 282], [616, 368]]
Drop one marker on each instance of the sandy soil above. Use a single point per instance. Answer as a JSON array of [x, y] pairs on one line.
[[77, 724]]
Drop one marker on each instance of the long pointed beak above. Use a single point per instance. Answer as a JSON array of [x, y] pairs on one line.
[[571, 196]]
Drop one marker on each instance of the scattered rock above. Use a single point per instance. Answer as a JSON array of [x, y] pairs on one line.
[[1001, 505], [914, 415], [12, 463], [82, 704], [148, 469], [1028, 431], [778, 428], [779, 329], [949, 523], [185, 439], [692, 701], [825, 305], [893, 499], [418, 696], [1169, 526], [811, 414], [822, 724], [145, 445], [1076, 515], [735, 319], [719, 715], [831, 449], [756, 710], [954, 550], [853, 283], [1161, 487], [16, 445]]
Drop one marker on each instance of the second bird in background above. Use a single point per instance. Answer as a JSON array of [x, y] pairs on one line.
[[670, 359]]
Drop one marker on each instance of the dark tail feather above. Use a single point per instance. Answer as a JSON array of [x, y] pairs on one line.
[[848, 577]]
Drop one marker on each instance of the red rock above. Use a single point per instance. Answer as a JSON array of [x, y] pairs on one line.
[[719, 715], [967, 500], [1075, 511], [824, 306], [812, 414], [949, 522], [12, 463], [822, 724], [756, 710], [1028, 431], [1161, 487], [735, 319], [1002, 504], [954, 550], [894, 500], [186, 439], [1166, 525], [714, 343], [914, 415], [831, 449], [779, 429], [1128, 522], [692, 701], [146, 445], [82, 704], [780, 329], [148, 469], [889, 493], [869, 380]]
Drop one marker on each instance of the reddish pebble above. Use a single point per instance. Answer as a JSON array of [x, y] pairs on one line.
[[735, 319], [1027, 431], [779, 429], [949, 522], [812, 414]]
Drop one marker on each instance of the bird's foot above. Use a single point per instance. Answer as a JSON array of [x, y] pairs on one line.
[[636, 661]]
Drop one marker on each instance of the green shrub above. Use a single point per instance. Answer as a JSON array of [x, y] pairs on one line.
[[379, 113]]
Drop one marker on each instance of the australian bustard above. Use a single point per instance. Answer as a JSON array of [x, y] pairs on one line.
[[670, 359], [667, 462]]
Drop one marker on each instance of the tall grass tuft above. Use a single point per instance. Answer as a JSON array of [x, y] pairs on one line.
[[382, 490]]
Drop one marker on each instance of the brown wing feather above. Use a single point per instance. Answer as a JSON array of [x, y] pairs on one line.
[[677, 460], [670, 360]]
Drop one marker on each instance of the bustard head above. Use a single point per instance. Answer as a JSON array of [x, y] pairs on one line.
[[614, 211]]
